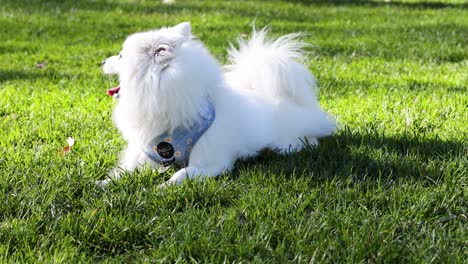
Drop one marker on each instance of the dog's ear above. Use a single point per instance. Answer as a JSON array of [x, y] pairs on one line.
[[184, 29]]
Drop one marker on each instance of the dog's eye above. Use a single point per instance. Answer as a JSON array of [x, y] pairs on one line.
[[120, 55], [159, 50]]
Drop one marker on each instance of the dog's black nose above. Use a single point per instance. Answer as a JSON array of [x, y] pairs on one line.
[[103, 62]]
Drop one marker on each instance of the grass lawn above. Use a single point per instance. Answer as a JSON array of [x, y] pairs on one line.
[[389, 186]]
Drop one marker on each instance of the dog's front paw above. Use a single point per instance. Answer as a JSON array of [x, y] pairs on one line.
[[114, 175]]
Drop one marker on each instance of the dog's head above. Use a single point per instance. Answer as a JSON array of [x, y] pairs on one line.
[[165, 75], [145, 56]]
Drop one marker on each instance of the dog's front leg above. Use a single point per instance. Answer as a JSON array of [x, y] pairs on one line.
[[193, 172], [132, 158]]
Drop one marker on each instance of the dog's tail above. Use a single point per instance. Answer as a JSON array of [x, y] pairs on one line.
[[273, 68]]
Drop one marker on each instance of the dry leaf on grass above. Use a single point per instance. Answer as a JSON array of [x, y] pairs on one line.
[[67, 149]]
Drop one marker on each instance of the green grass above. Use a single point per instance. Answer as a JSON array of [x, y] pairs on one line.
[[389, 186]]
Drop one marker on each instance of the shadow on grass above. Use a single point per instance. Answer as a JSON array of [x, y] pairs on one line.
[[105, 5], [385, 35], [367, 157], [11, 75], [38, 74], [247, 11], [415, 5]]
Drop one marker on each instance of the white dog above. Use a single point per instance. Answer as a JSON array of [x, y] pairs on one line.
[[176, 105]]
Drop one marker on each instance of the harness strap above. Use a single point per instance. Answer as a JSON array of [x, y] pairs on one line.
[[176, 147]]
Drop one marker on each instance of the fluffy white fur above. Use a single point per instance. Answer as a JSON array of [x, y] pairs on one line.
[[263, 99]]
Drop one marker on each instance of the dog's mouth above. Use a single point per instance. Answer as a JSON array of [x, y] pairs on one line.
[[114, 92]]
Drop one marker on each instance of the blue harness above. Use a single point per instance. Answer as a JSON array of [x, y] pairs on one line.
[[175, 147]]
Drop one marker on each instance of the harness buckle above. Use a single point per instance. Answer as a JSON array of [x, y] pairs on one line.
[[168, 162]]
